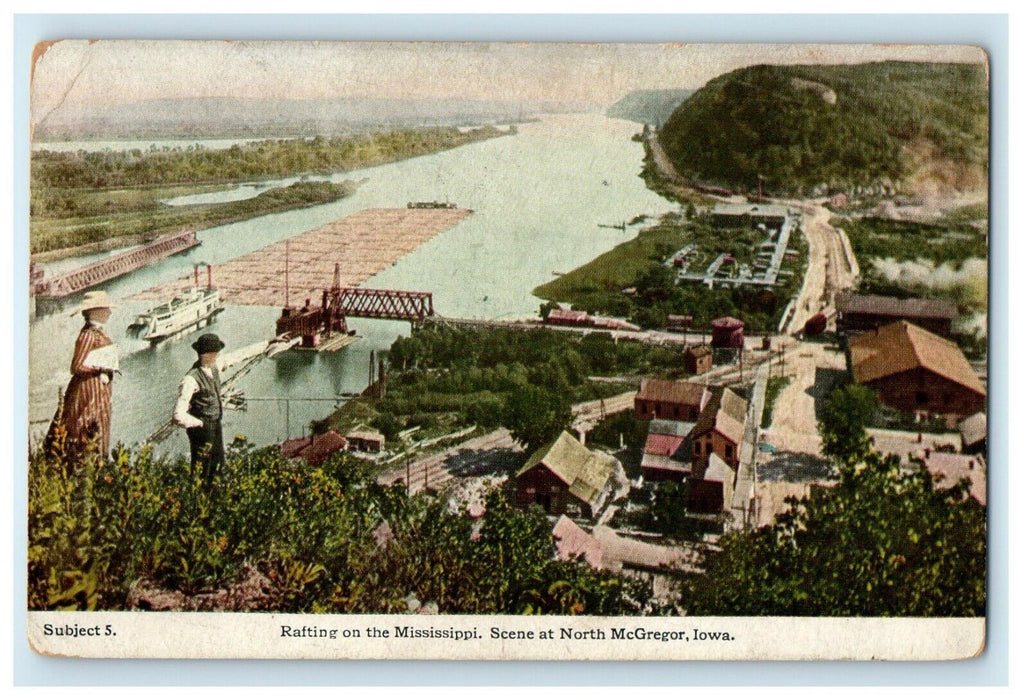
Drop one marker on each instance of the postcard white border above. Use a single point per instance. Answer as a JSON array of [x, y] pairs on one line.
[[987, 31]]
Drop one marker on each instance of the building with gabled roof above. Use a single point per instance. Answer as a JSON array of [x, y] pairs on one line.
[[670, 400], [916, 371], [719, 430], [865, 312], [365, 439], [712, 491], [564, 477], [698, 359]]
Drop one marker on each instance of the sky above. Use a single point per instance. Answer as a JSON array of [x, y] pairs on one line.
[[76, 73]]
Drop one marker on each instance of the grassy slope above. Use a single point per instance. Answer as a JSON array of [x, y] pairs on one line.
[[900, 123], [617, 268]]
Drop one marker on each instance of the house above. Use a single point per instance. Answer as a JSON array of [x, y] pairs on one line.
[[364, 439], [973, 434], [711, 492], [566, 478], [857, 313], [669, 399], [916, 371], [667, 454], [719, 430], [698, 359], [314, 449]]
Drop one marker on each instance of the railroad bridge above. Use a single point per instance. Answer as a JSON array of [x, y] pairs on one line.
[[115, 266], [392, 304]]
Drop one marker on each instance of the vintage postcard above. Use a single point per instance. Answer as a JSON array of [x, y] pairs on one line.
[[507, 351]]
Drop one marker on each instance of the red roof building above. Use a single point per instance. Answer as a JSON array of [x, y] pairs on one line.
[[916, 371], [315, 449]]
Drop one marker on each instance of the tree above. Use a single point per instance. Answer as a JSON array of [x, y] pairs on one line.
[[842, 425], [536, 415], [883, 542]]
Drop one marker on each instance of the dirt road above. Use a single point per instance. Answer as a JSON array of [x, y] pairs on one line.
[[815, 370], [831, 265]]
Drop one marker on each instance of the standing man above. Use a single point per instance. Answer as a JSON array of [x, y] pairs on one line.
[[199, 408]]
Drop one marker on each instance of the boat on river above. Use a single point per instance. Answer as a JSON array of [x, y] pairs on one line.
[[194, 308]]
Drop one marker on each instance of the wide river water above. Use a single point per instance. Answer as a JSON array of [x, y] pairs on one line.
[[538, 197]]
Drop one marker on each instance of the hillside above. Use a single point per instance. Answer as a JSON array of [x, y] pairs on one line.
[[648, 106], [910, 127]]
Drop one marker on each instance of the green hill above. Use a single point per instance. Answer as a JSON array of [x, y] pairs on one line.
[[903, 126], [648, 106]]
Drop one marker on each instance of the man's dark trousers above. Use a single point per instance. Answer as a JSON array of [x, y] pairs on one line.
[[206, 449]]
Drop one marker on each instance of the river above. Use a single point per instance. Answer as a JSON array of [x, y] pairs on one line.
[[538, 197]]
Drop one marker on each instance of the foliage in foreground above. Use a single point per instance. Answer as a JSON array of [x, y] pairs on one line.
[[883, 542], [329, 540]]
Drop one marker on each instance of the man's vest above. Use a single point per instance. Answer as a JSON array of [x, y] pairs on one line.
[[206, 403]]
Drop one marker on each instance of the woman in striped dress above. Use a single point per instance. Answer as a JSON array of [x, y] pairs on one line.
[[86, 410]]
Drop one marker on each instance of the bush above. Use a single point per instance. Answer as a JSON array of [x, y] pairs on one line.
[[329, 540]]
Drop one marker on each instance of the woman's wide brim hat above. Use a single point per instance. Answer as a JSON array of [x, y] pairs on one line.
[[95, 300], [208, 342]]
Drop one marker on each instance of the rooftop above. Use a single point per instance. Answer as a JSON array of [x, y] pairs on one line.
[[892, 306], [585, 472], [671, 391], [573, 541], [903, 346], [726, 413], [973, 428]]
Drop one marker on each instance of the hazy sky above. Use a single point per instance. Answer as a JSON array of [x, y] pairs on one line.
[[80, 72]]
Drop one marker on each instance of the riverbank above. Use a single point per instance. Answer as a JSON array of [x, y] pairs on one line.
[[138, 227], [638, 279], [85, 199]]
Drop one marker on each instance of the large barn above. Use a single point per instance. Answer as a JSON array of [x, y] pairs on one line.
[[916, 371]]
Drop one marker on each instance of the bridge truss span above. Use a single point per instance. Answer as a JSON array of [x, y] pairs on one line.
[[392, 304]]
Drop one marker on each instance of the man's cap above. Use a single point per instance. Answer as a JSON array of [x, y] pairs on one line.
[[208, 342]]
